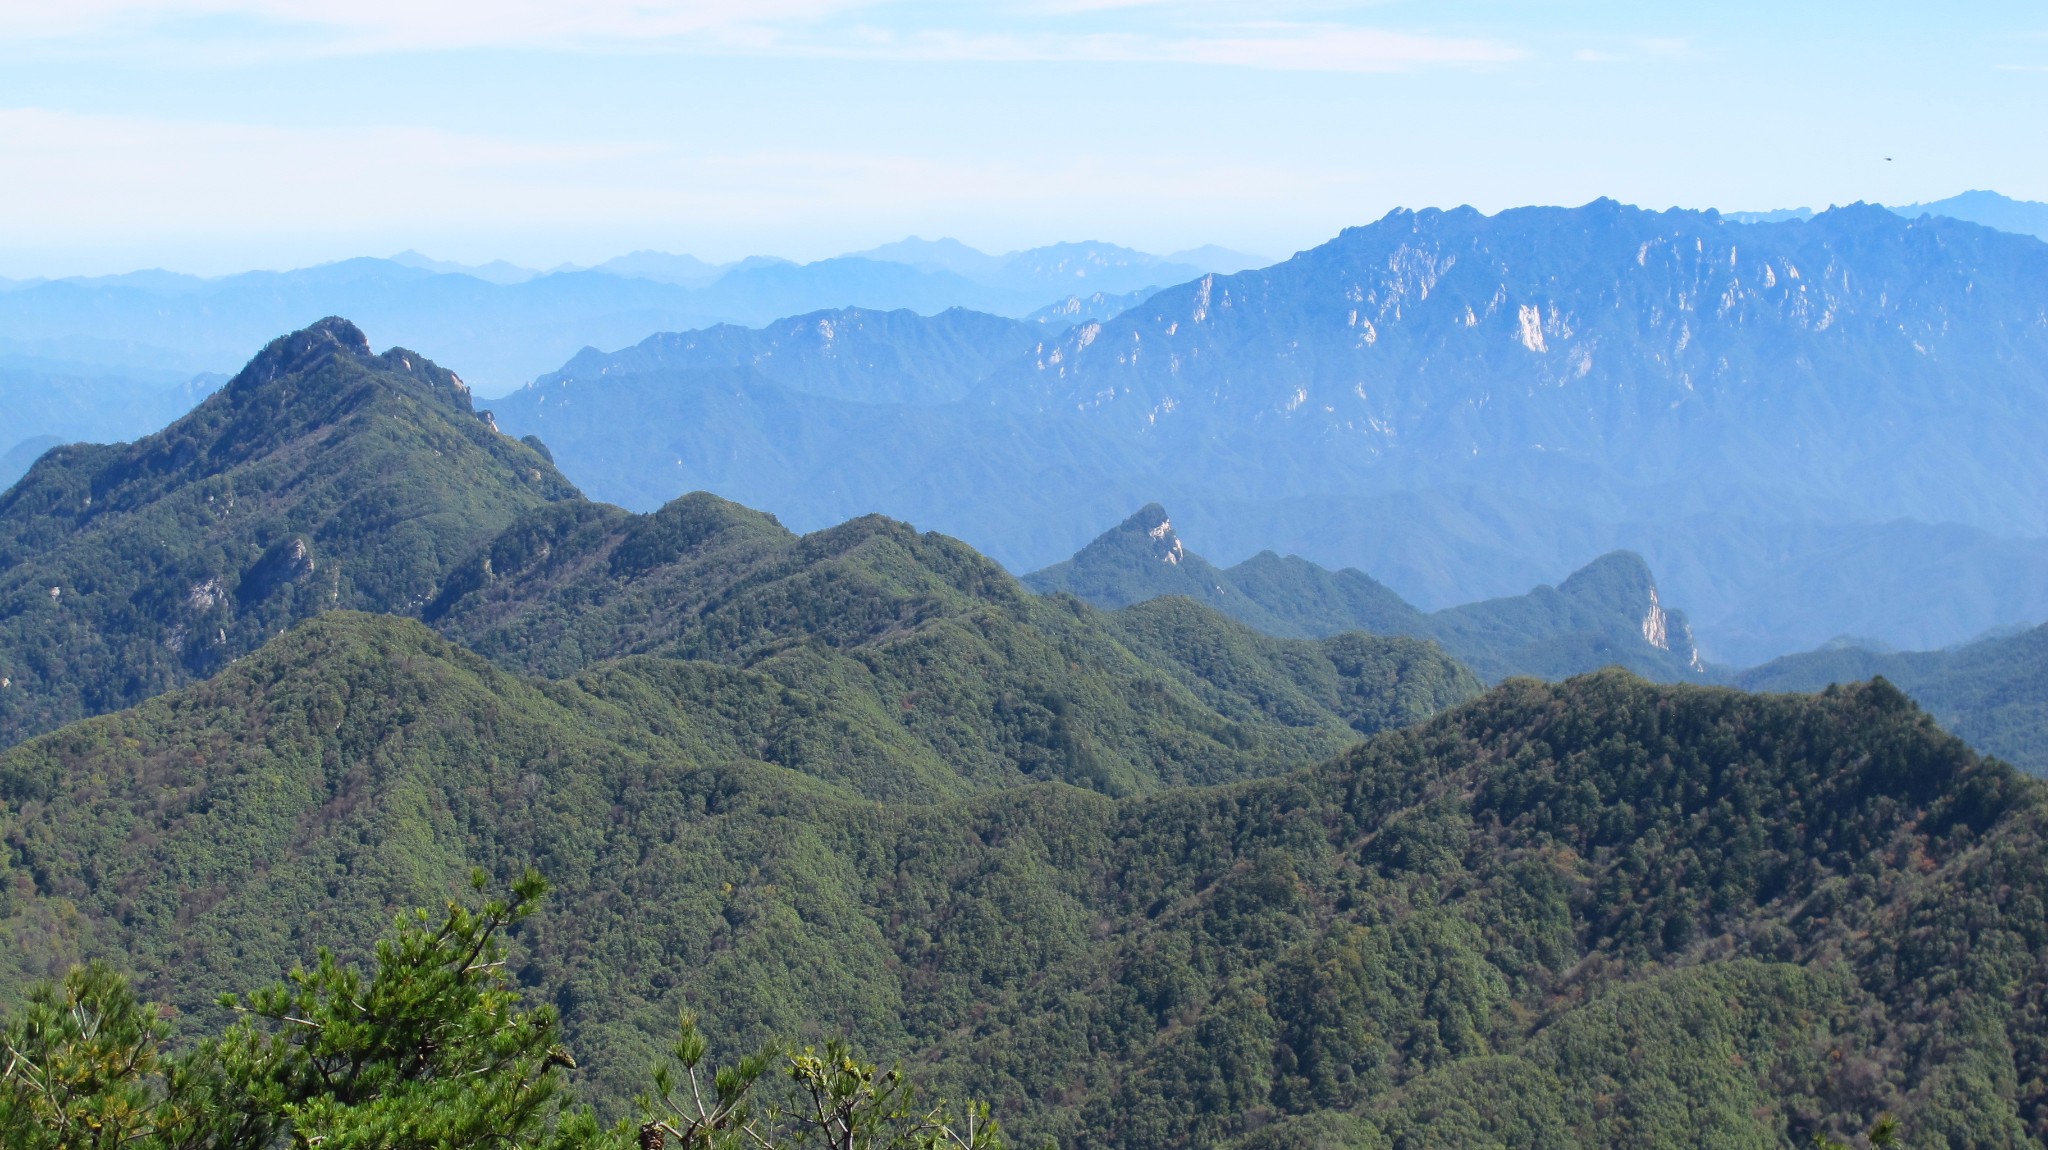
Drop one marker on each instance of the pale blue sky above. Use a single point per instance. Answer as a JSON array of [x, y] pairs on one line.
[[214, 135]]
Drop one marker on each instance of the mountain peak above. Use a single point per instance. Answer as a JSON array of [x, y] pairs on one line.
[[303, 351], [1152, 522]]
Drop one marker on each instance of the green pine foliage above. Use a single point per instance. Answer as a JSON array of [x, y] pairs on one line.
[[1592, 912], [321, 476]]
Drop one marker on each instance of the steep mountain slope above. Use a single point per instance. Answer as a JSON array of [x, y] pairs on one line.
[[934, 642], [849, 353], [1992, 693], [1860, 363], [1606, 613], [1593, 913], [321, 476]]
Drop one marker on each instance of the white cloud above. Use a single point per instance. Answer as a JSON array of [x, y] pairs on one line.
[[1172, 31], [422, 24]]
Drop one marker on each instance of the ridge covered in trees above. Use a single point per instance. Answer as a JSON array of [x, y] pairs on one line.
[[1597, 911]]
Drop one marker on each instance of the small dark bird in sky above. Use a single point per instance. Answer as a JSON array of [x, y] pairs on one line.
[[1887, 159]]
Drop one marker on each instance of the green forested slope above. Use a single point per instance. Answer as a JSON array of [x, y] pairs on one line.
[[922, 634], [321, 476], [1605, 614], [1598, 912], [1993, 693]]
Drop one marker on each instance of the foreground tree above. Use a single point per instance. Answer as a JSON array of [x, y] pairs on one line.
[[431, 1051], [834, 1101]]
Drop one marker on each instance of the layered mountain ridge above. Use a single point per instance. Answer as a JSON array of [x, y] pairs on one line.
[[1606, 613], [1989, 692], [1748, 406], [1592, 913]]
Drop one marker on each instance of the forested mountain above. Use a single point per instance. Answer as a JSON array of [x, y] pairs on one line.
[[1607, 613], [1599, 912], [322, 476], [325, 477], [1464, 405], [953, 673], [1993, 692]]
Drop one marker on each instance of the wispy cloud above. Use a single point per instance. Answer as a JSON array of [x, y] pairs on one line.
[[1171, 31], [1310, 47], [383, 25]]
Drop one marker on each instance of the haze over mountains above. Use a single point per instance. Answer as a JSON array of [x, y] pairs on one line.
[[508, 324], [1821, 429], [1608, 613], [1807, 429]]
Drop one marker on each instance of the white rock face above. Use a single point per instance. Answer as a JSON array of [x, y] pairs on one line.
[[1656, 625]]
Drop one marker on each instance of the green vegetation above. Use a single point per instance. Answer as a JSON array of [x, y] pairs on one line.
[[924, 668], [1606, 614], [1990, 693], [1598, 911], [320, 477], [434, 1049]]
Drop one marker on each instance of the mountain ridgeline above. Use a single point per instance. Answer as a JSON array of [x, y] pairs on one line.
[[1462, 405], [1606, 613], [1993, 692]]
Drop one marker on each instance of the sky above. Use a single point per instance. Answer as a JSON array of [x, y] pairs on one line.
[[212, 136]]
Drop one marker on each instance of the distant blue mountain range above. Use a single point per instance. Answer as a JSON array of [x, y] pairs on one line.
[[1806, 428]]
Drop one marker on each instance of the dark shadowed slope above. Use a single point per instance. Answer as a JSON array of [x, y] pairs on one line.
[[1592, 913], [1607, 613], [321, 476]]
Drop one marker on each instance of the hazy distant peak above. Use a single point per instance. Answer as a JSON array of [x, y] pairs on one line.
[[1985, 208], [944, 254], [498, 272], [1224, 261], [662, 267], [1152, 530]]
